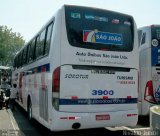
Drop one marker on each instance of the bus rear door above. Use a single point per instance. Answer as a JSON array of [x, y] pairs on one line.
[[97, 89], [155, 62]]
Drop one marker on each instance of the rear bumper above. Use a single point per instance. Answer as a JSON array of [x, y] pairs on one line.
[[66, 121]]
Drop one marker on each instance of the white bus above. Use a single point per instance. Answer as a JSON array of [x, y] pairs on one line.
[[149, 57], [81, 70]]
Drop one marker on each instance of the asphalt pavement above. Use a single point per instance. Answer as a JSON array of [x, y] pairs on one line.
[[15, 123]]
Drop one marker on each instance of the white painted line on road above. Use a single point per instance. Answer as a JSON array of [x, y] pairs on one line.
[[127, 128], [13, 121], [131, 129], [115, 128]]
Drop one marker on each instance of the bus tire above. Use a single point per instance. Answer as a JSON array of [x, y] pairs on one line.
[[29, 110]]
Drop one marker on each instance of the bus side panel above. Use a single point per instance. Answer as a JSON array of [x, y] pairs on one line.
[[54, 60], [145, 75], [145, 70]]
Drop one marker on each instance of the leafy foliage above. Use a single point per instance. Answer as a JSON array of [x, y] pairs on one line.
[[10, 43]]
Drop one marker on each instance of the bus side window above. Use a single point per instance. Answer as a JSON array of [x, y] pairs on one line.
[[143, 38], [37, 47], [20, 59], [139, 36], [24, 56], [41, 43], [33, 51], [29, 50], [48, 38]]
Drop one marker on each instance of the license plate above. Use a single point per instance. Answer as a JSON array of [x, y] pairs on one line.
[[102, 71], [103, 117]]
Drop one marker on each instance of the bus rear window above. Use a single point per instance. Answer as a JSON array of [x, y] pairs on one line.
[[155, 42], [99, 29], [155, 35]]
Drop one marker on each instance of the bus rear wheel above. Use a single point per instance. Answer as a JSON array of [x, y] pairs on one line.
[[29, 110]]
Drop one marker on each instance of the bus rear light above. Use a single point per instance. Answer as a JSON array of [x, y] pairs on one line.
[[70, 118], [104, 49], [131, 115], [55, 102], [56, 88], [63, 117], [56, 80], [105, 97], [148, 95], [129, 97], [74, 97]]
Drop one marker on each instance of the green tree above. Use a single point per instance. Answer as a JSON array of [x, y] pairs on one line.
[[10, 43]]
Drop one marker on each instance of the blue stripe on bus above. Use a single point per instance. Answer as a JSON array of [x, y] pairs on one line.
[[38, 69], [97, 101]]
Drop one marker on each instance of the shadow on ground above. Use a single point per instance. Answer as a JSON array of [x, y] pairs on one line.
[[34, 128]]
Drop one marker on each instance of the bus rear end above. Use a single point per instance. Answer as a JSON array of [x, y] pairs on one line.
[[152, 91], [96, 84]]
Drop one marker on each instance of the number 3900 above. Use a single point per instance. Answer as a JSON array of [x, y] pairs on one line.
[[102, 92]]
